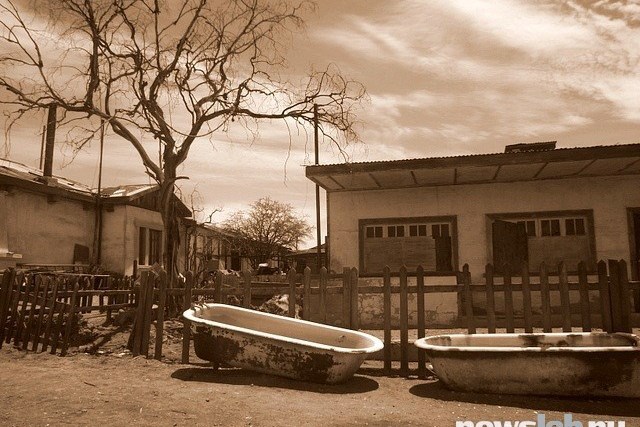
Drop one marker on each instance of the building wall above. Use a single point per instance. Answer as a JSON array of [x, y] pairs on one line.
[[609, 197], [45, 232], [113, 254]]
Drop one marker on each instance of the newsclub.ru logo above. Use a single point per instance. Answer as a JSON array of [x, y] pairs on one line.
[[541, 421]]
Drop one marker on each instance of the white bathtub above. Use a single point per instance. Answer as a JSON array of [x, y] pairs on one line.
[[587, 364], [278, 345]]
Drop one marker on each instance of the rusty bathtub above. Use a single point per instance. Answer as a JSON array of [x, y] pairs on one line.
[[578, 364], [278, 345]]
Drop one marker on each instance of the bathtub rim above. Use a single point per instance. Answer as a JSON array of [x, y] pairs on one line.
[[190, 314], [422, 343]]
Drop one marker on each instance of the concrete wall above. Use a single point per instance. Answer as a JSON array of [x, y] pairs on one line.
[[45, 232], [120, 236], [609, 197]]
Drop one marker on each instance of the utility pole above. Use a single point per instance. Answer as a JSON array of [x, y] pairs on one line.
[[317, 162]]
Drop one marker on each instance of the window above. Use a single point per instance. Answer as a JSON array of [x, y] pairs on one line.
[[149, 246], [419, 230], [543, 237], [374, 232], [395, 231], [399, 242]]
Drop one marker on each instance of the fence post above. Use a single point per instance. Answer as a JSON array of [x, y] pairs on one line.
[[625, 297], [346, 297], [545, 295], [404, 323], [565, 300], [491, 302], [47, 331], [306, 299], [26, 336], [323, 294], [8, 278], [45, 294], [148, 313], [353, 306], [422, 372], [605, 298], [162, 298], [186, 324], [468, 299], [246, 296], [583, 286], [387, 318], [217, 287], [508, 300], [70, 319], [291, 278], [526, 298]]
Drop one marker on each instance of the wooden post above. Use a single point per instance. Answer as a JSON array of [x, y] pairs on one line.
[[186, 328], [26, 336], [148, 313], [544, 296], [162, 298], [565, 300], [605, 298], [306, 299], [138, 324], [404, 323], [246, 295], [12, 323], [217, 295], [491, 301], [625, 297], [583, 286], [353, 306], [40, 320], [291, 277], [47, 331], [422, 371], [23, 308], [614, 294], [387, 318], [526, 299], [508, 301], [8, 278], [71, 316], [323, 294], [346, 297], [468, 299]]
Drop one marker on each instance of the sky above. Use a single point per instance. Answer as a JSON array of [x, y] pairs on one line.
[[443, 78]]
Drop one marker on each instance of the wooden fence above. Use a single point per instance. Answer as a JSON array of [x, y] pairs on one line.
[[33, 308], [38, 310]]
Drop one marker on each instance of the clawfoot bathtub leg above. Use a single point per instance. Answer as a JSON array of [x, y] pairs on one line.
[[215, 366]]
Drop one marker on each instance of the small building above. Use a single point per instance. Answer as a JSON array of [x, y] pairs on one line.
[[533, 202], [307, 258], [49, 220]]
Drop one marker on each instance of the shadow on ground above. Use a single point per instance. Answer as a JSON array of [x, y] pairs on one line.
[[589, 405], [357, 384]]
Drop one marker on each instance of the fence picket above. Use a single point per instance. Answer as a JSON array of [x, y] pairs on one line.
[[323, 294], [292, 277], [43, 305], [162, 298], [491, 304], [346, 297], [545, 296], [71, 315], [422, 371], [404, 323], [625, 297], [26, 336], [387, 318], [508, 301], [186, 324], [583, 286], [605, 300], [50, 317], [526, 299], [565, 301], [246, 296], [306, 299], [468, 299]]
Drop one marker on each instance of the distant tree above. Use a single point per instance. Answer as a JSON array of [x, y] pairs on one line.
[[267, 229], [166, 72]]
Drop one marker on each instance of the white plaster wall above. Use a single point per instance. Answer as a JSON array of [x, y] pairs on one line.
[[113, 255], [607, 196], [43, 232]]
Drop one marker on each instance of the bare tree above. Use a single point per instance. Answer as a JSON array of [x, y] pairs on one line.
[[173, 72], [266, 229]]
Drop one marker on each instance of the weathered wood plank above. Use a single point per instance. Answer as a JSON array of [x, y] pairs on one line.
[[404, 323], [346, 297], [71, 316], [162, 298], [291, 278], [545, 296], [422, 370], [306, 299], [353, 305], [565, 301], [491, 302], [323, 294], [468, 299], [50, 317], [585, 309], [387, 319], [526, 299], [186, 328]]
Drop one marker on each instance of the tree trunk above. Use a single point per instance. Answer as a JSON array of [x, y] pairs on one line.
[[171, 233]]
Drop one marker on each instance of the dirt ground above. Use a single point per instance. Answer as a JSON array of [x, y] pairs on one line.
[[111, 387]]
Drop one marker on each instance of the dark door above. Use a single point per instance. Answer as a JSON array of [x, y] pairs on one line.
[[510, 246]]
